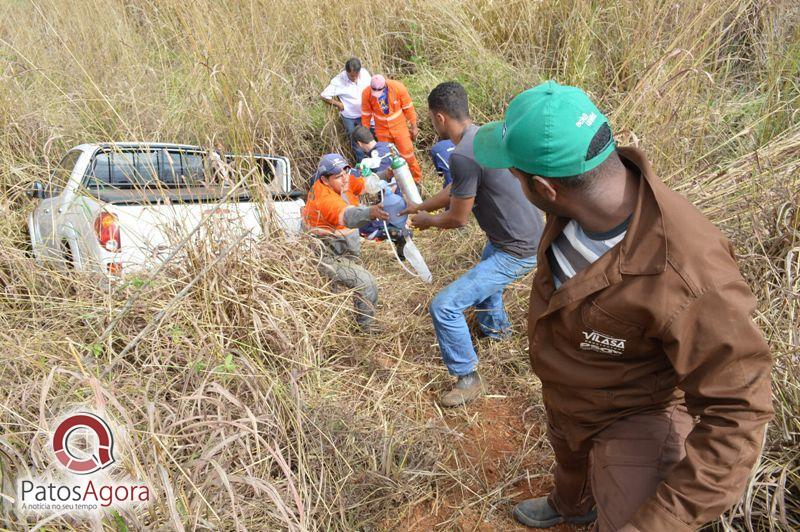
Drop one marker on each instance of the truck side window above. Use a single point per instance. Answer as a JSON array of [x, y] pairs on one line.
[[193, 168], [267, 170], [171, 168], [121, 169], [101, 171], [146, 167], [60, 176], [124, 169], [264, 168]]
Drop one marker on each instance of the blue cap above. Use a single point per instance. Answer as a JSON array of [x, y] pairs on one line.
[[330, 164]]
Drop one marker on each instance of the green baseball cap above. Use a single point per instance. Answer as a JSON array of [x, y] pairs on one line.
[[550, 130]]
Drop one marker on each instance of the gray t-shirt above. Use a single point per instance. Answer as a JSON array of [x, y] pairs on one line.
[[509, 220]]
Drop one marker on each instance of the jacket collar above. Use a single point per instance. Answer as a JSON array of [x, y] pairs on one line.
[[643, 251]]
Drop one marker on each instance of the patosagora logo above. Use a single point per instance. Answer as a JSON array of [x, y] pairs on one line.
[[83, 446], [104, 456]]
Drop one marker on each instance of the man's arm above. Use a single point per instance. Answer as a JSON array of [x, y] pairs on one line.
[[462, 191], [335, 212], [438, 201], [723, 366], [408, 109], [363, 214], [454, 217], [366, 109], [329, 94], [336, 103]]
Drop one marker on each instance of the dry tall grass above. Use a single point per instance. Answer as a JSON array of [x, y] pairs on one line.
[[252, 403]]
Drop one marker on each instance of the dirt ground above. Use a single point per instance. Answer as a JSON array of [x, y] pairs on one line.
[[496, 431]]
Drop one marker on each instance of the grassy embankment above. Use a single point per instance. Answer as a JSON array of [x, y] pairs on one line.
[[252, 403]]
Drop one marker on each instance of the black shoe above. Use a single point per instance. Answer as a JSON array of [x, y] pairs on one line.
[[399, 243], [538, 513]]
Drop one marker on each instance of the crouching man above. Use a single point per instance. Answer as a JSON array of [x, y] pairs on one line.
[[334, 215], [655, 380], [366, 142]]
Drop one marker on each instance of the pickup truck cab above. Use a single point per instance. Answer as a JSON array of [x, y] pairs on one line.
[[118, 207]]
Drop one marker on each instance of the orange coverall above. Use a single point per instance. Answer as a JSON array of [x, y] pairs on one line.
[[324, 209], [391, 126]]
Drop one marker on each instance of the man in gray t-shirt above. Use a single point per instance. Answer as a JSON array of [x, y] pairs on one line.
[[510, 222], [513, 228]]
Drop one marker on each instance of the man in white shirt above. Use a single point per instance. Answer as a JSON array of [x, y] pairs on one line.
[[347, 86]]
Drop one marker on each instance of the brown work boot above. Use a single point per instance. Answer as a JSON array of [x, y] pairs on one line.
[[466, 389]]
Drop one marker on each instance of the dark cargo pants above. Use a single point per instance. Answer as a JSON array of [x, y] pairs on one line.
[[346, 272], [620, 468]]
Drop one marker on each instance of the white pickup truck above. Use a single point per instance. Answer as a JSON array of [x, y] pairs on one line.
[[119, 207]]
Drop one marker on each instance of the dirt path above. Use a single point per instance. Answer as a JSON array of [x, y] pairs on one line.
[[501, 450]]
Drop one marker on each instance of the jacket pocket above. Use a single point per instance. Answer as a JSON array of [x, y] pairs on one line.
[[605, 333]]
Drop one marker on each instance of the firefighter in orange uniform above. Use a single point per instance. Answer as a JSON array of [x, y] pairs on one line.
[[333, 214], [388, 103]]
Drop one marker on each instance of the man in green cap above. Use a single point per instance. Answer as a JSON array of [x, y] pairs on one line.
[[655, 380]]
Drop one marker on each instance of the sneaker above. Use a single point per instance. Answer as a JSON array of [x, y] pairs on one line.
[[465, 390], [499, 336], [538, 513], [399, 244], [399, 240]]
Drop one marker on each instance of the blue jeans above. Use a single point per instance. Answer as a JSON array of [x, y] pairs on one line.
[[349, 125], [480, 287]]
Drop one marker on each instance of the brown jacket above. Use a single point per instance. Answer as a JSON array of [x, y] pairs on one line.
[[662, 318]]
